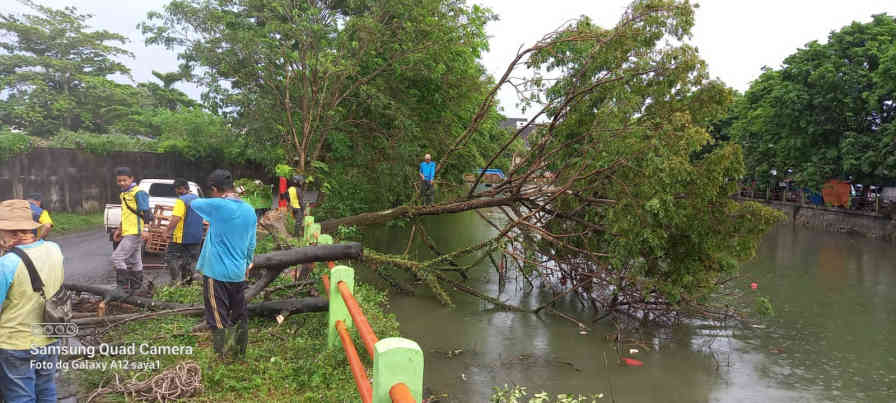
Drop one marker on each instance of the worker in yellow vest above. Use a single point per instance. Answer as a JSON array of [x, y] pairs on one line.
[[135, 214], [296, 204]]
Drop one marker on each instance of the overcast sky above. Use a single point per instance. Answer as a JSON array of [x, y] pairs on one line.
[[735, 37]]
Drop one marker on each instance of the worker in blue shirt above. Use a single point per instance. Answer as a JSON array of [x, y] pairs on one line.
[[225, 261], [427, 173]]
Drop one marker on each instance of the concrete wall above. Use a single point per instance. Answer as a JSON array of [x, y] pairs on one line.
[[838, 220], [73, 180]]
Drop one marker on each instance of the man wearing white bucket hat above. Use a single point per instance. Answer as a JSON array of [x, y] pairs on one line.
[[27, 365]]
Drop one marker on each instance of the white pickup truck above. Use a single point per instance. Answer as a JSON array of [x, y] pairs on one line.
[[161, 193]]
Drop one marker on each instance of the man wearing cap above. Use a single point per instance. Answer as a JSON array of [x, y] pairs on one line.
[[27, 358], [295, 201], [225, 261], [185, 232], [427, 173], [40, 215]]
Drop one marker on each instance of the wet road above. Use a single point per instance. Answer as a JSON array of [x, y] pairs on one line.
[[87, 259]]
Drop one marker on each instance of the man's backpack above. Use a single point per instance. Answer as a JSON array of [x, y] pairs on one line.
[[57, 309]]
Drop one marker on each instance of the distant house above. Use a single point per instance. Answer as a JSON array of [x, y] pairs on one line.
[[514, 124]]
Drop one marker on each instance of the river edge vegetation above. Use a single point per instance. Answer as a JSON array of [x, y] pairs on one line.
[[622, 195]]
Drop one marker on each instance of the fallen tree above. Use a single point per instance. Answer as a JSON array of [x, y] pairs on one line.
[[272, 264], [622, 198]]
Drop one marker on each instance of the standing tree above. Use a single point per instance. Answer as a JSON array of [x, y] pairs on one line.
[[310, 74], [53, 71], [829, 111]]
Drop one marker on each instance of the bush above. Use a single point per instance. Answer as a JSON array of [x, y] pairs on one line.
[[14, 143], [100, 143]]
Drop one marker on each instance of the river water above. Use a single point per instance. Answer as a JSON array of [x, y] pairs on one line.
[[831, 339]]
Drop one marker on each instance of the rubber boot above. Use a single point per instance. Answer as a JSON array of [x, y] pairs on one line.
[[136, 280], [240, 339], [174, 272], [219, 341], [121, 279]]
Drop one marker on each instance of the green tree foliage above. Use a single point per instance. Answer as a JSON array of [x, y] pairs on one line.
[[54, 71], [635, 208], [354, 84], [829, 111]]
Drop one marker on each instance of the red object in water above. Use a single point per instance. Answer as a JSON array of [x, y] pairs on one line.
[[632, 362], [754, 286]]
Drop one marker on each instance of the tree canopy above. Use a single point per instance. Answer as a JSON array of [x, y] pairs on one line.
[[349, 84], [828, 112], [55, 71], [634, 212]]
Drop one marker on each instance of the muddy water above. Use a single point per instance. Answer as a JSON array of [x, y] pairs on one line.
[[833, 338]]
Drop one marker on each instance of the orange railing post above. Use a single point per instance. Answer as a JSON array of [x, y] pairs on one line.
[[354, 363], [364, 329], [397, 362]]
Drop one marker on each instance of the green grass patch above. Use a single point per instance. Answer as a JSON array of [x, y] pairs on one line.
[[284, 363], [66, 223]]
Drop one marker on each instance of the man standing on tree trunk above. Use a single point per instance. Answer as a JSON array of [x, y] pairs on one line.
[[225, 261], [427, 173], [185, 232]]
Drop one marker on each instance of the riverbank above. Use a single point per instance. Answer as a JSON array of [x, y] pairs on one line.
[[836, 220], [286, 362]]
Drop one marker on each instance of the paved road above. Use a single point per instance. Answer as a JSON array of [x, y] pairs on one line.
[[87, 259], [87, 262]]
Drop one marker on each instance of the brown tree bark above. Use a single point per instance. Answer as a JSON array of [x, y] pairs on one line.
[[408, 211]]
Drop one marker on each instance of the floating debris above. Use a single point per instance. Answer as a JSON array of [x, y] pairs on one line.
[[632, 362]]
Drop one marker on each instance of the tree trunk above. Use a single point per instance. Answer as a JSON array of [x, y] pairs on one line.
[[111, 293], [402, 211], [270, 309], [275, 262]]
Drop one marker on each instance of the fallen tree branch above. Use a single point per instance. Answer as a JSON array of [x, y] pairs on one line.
[[409, 211], [111, 293], [274, 263], [266, 309]]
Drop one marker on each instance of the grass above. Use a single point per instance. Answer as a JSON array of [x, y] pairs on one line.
[[67, 223], [284, 363]]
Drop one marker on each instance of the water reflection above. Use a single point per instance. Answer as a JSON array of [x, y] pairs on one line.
[[830, 341]]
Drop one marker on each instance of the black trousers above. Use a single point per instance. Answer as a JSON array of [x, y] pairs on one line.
[[225, 302], [426, 191], [181, 259]]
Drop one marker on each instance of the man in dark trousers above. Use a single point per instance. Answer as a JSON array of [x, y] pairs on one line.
[[185, 232], [225, 261], [427, 174], [296, 204]]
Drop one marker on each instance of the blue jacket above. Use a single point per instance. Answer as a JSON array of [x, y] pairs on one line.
[[230, 243]]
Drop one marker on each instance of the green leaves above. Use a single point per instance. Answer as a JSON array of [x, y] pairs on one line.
[[351, 84], [52, 66], [829, 112]]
